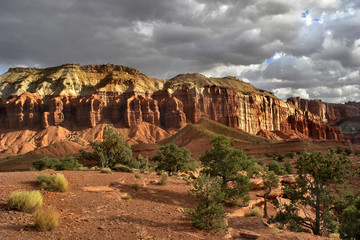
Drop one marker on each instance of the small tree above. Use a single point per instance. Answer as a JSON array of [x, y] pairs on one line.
[[271, 180], [226, 162], [111, 150], [209, 214], [350, 225], [171, 158], [315, 173]]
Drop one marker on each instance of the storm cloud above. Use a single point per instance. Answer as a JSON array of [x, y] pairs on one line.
[[292, 48]]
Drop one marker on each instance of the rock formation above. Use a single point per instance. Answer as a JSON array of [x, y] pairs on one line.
[[76, 96]]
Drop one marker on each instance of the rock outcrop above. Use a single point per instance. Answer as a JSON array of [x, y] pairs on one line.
[[74, 96], [345, 117]]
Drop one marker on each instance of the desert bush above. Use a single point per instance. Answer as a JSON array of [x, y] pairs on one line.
[[105, 170], [171, 158], [26, 201], [288, 168], [111, 150], [163, 178], [277, 168], [226, 162], [209, 214], [210, 218], [256, 212], [122, 168], [350, 224], [348, 151], [46, 219], [53, 183], [64, 163]]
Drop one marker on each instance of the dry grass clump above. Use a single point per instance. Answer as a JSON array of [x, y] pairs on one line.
[[105, 170], [257, 212], [126, 197], [25, 201], [46, 219], [54, 183], [163, 178]]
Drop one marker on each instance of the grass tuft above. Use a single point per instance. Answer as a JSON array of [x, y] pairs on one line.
[[46, 219], [163, 178], [105, 170], [25, 201], [53, 183], [257, 212]]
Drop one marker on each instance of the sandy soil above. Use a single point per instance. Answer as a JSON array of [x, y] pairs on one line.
[[93, 208]]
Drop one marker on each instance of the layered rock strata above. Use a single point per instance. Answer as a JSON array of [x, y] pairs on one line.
[[84, 96]]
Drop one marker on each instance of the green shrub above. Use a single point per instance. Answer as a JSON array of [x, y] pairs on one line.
[[288, 168], [276, 167], [348, 151], [350, 224], [163, 178], [209, 218], [45, 163], [171, 158], [105, 170], [122, 168], [46, 219], [64, 163], [257, 212], [54, 183], [111, 150], [26, 201]]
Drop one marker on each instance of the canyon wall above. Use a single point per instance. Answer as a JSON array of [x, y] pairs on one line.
[[76, 96]]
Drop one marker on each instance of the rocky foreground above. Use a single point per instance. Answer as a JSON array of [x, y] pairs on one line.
[[95, 207]]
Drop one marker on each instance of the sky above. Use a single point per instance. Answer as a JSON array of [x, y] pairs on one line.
[[300, 48]]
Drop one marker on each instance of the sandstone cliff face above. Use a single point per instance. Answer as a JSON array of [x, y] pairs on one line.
[[343, 116], [76, 96]]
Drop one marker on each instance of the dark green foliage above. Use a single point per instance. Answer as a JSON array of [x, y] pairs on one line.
[[226, 162], [144, 163], [171, 158], [208, 218], [64, 163], [357, 152], [338, 150], [209, 214], [111, 150], [288, 168], [350, 225], [276, 156], [277, 168], [290, 155], [315, 173], [348, 151]]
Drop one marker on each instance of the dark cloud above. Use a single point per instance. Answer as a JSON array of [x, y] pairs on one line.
[[163, 38]]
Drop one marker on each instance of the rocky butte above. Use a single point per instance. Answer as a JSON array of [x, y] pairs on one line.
[[77, 97]]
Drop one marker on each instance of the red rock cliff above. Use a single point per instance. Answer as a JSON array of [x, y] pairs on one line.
[[121, 95]]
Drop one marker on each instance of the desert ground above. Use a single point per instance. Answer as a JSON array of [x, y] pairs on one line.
[[94, 208]]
